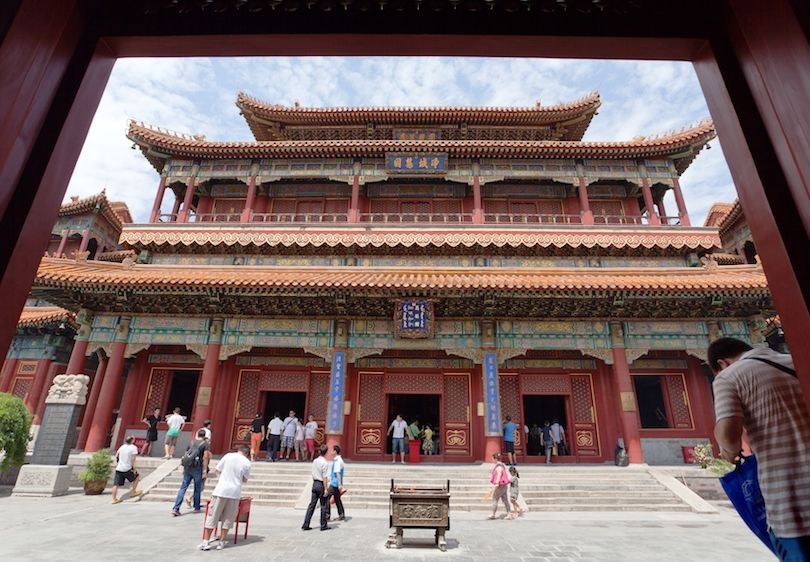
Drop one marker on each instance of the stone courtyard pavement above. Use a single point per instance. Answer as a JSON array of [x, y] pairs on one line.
[[78, 527]]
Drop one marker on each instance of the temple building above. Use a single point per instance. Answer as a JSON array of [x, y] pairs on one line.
[[455, 265]]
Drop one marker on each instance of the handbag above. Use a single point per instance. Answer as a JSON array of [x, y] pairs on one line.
[[554, 450], [742, 488]]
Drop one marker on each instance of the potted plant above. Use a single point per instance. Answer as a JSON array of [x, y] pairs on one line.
[[96, 473]]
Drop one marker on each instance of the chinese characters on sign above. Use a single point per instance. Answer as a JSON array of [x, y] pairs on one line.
[[416, 163], [416, 134], [334, 414], [413, 319], [491, 394]]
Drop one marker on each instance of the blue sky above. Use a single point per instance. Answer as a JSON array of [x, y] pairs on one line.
[[197, 95]]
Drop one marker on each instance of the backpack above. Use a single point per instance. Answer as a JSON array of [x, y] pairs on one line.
[[192, 458]]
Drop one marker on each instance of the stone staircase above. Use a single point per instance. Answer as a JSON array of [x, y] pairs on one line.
[[277, 484], [545, 488]]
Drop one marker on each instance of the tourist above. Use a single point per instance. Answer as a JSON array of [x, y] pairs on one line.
[[547, 441], [336, 484], [310, 433], [125, 469], [413, 430], [256, 435], [757, 390], [399, 428], [151, 422], [195, 467], [207, 429], [320, 489], [288, 435], [300, 449], [427, 443], [509, 429], [534, 440], [499, 478], [558, 435], [234, 470], [175, 422], [274, 429], [515, 498]]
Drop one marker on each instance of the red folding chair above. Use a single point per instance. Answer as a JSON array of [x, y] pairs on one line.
[[242, 516]]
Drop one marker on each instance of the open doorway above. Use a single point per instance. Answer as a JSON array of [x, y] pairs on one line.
[[182, 392], [282, 402], [536, 410], [422, 407]]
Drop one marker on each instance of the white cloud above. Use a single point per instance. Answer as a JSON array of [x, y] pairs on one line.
[[198, 95]]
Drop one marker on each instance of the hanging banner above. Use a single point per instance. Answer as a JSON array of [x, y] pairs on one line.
[[337, 382], [491, 395]]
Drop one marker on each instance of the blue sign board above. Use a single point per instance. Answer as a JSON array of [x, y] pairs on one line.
[[337, 382], [416, 162], [491, 394], [413, 318]]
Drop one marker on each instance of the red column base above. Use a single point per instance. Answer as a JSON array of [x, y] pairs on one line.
[[332, 440], [492, 445]]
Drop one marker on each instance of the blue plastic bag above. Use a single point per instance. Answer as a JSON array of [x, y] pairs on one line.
[[742, 488]]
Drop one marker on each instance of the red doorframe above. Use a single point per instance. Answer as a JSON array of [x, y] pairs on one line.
[[751, 60]]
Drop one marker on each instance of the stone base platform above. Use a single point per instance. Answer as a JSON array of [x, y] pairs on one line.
[[42, 480]]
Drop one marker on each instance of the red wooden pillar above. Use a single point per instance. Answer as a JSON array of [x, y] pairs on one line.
[[7, 374], [38, 384], [153, 216], [754, 76], [676, 190], [102, 417], [175, 209], [354, 205], [92, 400], [187, 199], [251, 198], [85, 240], [62, 243], [478, 210], [211, 368], [662, 212], [130, 401], [648, 200], [52, 372], [584, 203], [625, 393], [78, 355], [221, 422]]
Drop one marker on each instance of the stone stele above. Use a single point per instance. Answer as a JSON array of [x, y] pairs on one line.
[[50, 475]]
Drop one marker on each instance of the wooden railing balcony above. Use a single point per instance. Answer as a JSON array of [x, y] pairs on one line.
[[512, 218], [419, 218], [300, 218]]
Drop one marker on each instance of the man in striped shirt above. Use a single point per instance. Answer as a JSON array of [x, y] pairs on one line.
[[757, 390]]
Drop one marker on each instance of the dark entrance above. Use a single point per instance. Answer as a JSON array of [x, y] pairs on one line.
[[282, 403], [424, 407], [536, 410], [182, 392]]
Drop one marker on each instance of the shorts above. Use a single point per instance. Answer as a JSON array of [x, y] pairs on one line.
[[398, 445], [287, 442], [310, 445], [151, 436], [122, 478], [171, 440], [222, 509], [510, 446], [299, 446]]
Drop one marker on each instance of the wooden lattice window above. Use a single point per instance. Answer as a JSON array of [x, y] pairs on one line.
[[607, 212]]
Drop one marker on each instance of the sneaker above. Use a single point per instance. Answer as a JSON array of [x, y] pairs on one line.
[[221, 545], [402, 462], [205, 545], [176, 512], [116, 500], [135, 494]]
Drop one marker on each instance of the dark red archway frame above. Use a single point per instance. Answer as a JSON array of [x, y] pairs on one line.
[[751, 59]]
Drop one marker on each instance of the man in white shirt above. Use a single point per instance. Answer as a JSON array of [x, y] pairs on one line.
[[398, 427], [320, 489], [207, 429], [175, 423], [125, 469], [288, 437], [234, 470], [310, 432], [274, 429]]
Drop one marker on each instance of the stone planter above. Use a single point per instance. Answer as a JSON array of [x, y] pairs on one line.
[[94, 487]]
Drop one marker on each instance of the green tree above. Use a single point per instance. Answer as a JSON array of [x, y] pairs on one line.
[[15, 427]]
